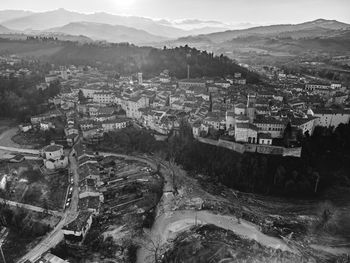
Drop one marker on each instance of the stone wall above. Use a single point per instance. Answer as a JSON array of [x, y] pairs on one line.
[[259, 148]]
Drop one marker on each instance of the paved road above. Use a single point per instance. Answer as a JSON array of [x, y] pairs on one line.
[[19, 150], [30, 207], [170, 223], [56, 235]]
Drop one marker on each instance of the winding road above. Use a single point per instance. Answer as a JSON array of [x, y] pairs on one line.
[[53, 238], [166, 226], [170, 223]]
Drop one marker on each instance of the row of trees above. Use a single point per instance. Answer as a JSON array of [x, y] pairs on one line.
[[128, 59], [201, 63]]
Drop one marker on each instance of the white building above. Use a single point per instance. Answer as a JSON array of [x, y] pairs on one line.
[[246, 132], [103, 97], [330, 117], [270, 125], [265, 139], [133, 105], [53, 156]]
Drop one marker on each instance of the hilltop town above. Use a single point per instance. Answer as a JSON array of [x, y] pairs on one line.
[[88, 191]]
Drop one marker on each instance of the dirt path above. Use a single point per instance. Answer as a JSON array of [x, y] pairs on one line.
[[30, 207], [169, 223]]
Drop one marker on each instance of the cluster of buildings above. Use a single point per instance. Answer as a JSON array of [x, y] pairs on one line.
[[90, 196], [93, 103], [10, 68]]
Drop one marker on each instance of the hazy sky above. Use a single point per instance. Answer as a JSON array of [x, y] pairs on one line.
[[254, 11]]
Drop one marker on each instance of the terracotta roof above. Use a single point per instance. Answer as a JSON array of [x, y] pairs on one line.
[[246, 126], [79, 223]]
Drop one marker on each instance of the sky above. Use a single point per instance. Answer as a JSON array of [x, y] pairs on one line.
[[230, 11]]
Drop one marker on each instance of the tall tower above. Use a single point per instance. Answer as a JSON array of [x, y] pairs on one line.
[[139, 77], [188, 56], [251, 107]]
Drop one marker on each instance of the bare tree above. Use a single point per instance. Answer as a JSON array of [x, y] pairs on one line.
[[155, 246]]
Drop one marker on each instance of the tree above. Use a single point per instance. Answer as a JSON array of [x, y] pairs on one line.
[[81, 97], [154, 246], [287, 134]]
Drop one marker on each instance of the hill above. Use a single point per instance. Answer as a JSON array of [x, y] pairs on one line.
[[321, 25], [13, 14], [61, 17], [277, 43], [4, 30], [107, 32], [125, 58]]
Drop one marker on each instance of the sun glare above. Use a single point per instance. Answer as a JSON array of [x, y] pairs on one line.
[[123, 4]]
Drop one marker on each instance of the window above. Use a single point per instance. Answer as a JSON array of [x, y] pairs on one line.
[[262, 141]]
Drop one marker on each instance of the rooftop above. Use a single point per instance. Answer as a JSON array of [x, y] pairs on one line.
[[79, 223], [52, 148], [246, 126]]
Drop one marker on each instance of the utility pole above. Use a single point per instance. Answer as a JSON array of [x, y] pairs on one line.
[[188, 71], [317, 181], [188, 56]]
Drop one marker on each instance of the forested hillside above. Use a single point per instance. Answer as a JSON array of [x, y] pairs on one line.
[[324, 163], [126, 58]]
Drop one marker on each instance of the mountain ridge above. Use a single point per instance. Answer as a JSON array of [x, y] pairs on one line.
[[106, 32]]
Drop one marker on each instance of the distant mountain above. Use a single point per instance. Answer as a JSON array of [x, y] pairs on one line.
[[23, 20], [4, 30], [109, 33], [266, 44], [61, 17], [44, 20], [320, 25], [13, 14]]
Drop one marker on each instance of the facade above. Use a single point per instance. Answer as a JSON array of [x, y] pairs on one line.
[[139, 78], [240, 109], [270, 125], [246, 132], [315, 86], [103, 97], [188, 83], [134, 104], [330, 118], [114, 125], [230, 119], [305, 124], [265, 138]]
